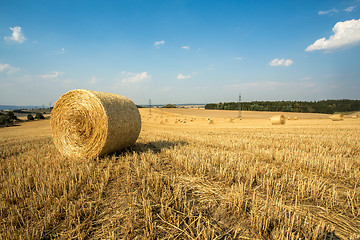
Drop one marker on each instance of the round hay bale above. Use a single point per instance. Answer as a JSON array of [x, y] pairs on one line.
[[230, 120], [296, 118], [355, 116], [290, 118], [277, 120], [337, 117], [88, 124], [210, 121]]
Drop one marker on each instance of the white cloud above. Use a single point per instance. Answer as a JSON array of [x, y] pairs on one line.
[[345, 34], [159, 43], [328, 11], [350, 9], [93, 81], [61, 51], [136, 77], [250, 85], [165, 89], [203, 88], [185, 47], [17, 36], [8, 69], [238, 58], [53, 74], [281, 62], [305, 78], [181, 76]]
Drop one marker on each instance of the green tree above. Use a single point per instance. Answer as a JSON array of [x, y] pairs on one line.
[[39, 116], [30, 117]]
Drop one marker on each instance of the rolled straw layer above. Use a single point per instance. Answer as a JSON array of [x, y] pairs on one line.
[[280, 119], [88, 124], [337, 117]]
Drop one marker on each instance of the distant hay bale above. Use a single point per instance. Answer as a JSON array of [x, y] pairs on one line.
[[355, 116], [230, 120], [88, 124], [210, 121], [337, 117], [296, 118], [290, 118], [277, 120]]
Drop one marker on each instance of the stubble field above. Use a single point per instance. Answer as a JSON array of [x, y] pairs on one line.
[[187, 179]]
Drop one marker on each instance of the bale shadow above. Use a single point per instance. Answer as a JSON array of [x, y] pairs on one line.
[[154, 147]]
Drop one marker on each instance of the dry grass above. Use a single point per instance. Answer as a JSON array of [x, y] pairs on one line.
[[242, 180]]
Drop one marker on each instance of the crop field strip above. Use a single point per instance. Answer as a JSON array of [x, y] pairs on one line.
[[242, 180]]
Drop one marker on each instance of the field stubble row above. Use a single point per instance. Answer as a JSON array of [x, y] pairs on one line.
[[188, 181]]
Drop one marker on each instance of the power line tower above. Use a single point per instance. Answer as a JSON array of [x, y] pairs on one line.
[[150, 106], [239, 115]]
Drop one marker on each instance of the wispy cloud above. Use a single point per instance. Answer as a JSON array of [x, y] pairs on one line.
[[350, 9], [93, 81], [165, 89], [135, 77], [17, 36], [262, 84], [185, 47], [181, 76], [8, 68], [61, 51], [281, 62], [53, 74], [238, 58], [158, 43], [305, 78], [345, 34], [334, 10]]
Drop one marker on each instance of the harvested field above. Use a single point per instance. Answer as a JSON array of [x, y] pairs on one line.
[[243, 180], [245, 114]]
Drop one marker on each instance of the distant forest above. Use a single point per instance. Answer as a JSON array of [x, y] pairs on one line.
[[324, 106]]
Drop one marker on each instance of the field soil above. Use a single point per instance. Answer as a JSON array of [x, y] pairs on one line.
[[188, 179]]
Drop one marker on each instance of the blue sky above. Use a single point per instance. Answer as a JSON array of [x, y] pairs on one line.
[[189, 51]]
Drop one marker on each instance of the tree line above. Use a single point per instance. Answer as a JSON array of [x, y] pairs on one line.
[[324, 106]]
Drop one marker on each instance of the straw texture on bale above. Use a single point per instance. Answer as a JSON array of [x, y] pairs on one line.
[[279, 119], [88, 124], [337, 117]]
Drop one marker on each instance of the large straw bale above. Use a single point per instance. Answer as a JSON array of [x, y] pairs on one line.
[[279, 119], [88, 124], [355, 116], [337, 117]]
